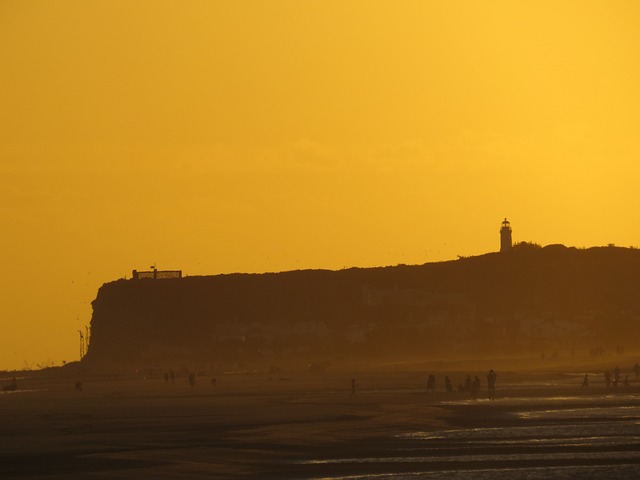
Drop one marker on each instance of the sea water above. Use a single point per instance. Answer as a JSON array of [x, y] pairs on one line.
[[597, 437]]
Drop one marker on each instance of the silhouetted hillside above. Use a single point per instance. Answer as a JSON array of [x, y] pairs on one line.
[[531, 298]]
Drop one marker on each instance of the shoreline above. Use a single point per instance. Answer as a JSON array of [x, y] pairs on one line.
[[250, 426]]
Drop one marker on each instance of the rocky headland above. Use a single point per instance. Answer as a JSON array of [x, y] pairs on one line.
[[539, 300]]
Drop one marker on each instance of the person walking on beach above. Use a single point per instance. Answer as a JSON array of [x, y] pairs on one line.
[[585, 381], [431, 383], [467, 384], [491, 384], [448, 386], [475, 386]]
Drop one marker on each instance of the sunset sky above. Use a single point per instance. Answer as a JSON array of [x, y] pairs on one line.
[[254, 136]]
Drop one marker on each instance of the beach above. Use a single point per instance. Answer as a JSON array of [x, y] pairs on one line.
[[303, 425]]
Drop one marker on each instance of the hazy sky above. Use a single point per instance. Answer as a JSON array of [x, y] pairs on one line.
[[253, 136]]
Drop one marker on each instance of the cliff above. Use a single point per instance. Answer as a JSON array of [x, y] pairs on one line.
[[529, 299]]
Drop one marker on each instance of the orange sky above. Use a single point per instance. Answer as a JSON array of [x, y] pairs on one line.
[[252, 136]]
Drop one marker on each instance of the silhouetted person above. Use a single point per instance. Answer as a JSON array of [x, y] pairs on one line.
[[467, 384], [636, 370], [626, 381], [431, 383], [353, 386], [192, 379], [475, 386], [491, 384], [616, 376], [78, 386], [585, 381], [447, 384]]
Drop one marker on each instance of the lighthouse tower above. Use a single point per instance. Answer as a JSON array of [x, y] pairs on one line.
[[505, 236]]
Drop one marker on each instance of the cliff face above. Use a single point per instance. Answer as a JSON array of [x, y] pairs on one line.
[[529, 298]]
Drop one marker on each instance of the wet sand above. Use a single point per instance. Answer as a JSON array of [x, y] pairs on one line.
[[310, 426]]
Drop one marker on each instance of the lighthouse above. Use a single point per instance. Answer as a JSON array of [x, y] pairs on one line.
[[505, 236]]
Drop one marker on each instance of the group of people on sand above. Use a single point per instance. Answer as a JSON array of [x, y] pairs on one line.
[[170, 376], [614, 378], [470, 385]]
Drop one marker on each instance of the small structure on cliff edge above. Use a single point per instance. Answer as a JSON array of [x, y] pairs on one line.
[[156, 274], [505, 236]]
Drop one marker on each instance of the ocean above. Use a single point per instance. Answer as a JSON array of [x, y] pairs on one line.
[[594, 437]]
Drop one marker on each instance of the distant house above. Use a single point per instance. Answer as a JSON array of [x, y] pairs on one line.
[[156, 274]]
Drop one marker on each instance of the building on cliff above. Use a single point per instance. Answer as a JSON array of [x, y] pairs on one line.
[[505, 236], [156, 274]]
